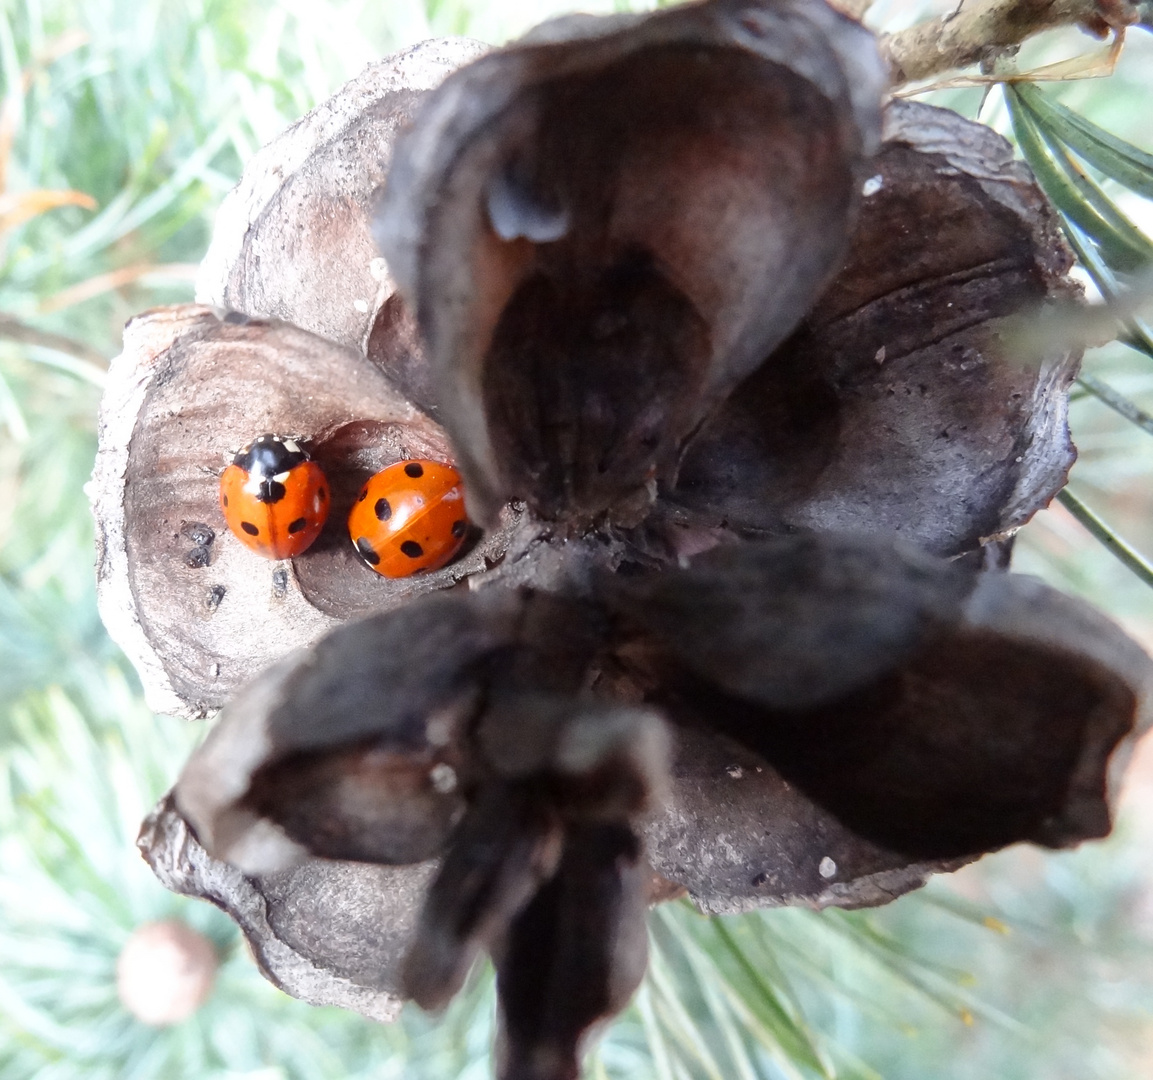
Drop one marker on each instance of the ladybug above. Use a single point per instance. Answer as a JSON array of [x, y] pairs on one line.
[[274, 497], [409, 518]]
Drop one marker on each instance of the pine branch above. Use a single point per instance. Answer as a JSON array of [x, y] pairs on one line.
[[979, 29]]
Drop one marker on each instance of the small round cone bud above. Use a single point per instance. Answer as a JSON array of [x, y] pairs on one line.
[[165, 972]]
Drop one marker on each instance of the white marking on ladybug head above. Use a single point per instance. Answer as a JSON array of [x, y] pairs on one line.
[[280, 477], [291, 446]]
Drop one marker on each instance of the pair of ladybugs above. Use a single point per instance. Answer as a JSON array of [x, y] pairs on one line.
[[408, 517]]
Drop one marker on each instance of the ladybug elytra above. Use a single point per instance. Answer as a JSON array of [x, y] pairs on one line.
[[274, 497], [409, 518]]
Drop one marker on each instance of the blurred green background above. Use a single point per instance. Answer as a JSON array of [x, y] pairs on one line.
[[139, 117]]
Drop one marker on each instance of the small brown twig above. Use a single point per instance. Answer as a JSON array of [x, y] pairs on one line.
[[15, 330], [116, 279], [855, 9], [978, 29]]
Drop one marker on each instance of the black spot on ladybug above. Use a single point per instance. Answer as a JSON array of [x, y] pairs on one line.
[[383, 510], [411, 548], [366, 551], [279, 582], [197, 557], [199, 533], [270, 491], [414, 469], [297, 525], [213, 597], [224, 499], [458, 528], [249, 528], [363, 494]]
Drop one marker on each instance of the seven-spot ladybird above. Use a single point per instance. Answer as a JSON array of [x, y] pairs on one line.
[[409, 517], [274, 497]]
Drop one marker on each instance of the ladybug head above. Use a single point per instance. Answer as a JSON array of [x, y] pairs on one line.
[[270, 455]]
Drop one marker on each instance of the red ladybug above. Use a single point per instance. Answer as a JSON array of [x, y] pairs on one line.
[[409, 517], [274, 497]]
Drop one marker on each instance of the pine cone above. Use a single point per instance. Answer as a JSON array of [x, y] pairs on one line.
[[720, 347]]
